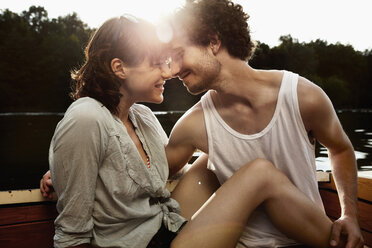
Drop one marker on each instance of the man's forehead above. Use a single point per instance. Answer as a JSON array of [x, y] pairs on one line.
[[179, 41], [175, 44]]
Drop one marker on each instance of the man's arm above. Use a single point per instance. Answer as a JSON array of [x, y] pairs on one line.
[[187, 135], [322, 123], [46, 186]]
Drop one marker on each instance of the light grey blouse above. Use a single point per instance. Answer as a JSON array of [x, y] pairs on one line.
[[107, 195]]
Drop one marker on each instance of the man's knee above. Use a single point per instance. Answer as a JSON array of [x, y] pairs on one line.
[[265, 170], [259, 165]]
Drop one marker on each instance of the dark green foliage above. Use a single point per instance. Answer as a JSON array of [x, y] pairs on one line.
[[343, 73], [36, 56], [38, 53]]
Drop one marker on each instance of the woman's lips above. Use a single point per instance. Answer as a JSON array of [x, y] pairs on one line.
[[160, 86]]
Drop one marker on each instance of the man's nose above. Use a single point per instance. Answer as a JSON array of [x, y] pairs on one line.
[[171, 70]]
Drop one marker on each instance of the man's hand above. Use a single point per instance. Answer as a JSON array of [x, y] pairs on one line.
[[349, 228], [46, 186]]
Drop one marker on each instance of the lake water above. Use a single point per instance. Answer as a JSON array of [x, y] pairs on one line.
[[26, 136]]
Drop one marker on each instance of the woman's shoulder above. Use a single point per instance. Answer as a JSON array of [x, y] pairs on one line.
[[141, 108], [87, 108], [145, 115], [143, 111], [85, 118]]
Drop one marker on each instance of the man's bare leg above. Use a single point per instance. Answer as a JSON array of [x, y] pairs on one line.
[[221, 220], [195, 187]]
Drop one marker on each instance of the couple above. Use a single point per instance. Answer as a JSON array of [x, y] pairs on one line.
[[109, 166]]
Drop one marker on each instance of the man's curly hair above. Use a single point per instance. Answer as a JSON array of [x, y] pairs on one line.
[[203, 19]]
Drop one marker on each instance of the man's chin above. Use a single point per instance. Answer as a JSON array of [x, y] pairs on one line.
[[195, 91]]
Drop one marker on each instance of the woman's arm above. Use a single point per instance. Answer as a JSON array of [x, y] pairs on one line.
[[81, 246], [74, 159]]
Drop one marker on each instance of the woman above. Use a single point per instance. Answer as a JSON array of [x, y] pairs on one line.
[[109, 168]]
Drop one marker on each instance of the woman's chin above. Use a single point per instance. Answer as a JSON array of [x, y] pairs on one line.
[[157, 101]]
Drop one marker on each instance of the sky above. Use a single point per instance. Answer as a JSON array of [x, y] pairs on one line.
[[344, 21]]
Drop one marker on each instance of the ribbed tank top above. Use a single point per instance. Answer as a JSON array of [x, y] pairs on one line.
[[283, 141]]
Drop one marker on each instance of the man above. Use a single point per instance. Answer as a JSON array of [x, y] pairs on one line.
[[248, 114]]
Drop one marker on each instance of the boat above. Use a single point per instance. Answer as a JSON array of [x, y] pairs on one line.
[[328, 192], [27, 219]]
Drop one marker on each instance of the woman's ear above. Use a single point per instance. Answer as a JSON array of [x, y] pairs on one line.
[[119, 69], [215, 44]]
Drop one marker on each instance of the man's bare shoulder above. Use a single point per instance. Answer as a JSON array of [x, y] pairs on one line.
[[309, 94], [190, 128], [192, 115], [191, 124], [270, 77], [314, 104]]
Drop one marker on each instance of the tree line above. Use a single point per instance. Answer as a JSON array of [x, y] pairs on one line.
[[37, 54]]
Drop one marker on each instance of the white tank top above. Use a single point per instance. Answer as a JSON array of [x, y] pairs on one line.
[[283, 141]]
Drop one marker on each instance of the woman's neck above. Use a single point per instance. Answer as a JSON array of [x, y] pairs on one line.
[[124, 105], [123, 110]]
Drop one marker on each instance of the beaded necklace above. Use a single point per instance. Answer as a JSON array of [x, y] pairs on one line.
[[148, 162]]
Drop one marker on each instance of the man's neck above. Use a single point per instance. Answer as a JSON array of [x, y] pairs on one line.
[[237, 81], [240, 86]]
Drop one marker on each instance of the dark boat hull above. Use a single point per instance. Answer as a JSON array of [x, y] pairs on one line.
[[29, 222]]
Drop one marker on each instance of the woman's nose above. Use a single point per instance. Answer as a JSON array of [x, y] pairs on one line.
[[166, 73]]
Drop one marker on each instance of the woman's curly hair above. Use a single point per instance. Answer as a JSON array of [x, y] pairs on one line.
[[131, 40], [204, 19]]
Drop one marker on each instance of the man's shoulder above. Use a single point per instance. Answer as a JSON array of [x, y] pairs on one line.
[[194, 113], [191, 121], [190, 130], [313, 102], [309, 94], [269, 75]]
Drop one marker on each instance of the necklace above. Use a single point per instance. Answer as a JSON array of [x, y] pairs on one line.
[[148, 162]]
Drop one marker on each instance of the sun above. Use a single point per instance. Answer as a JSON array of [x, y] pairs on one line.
[[152, 11], [155, 12]]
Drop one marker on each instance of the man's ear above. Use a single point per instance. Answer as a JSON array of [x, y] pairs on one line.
[[118, 67], [215, 44]]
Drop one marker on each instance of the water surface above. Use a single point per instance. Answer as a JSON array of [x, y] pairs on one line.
[[26, 137]]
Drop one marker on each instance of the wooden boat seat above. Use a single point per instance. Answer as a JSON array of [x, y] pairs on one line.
[[332, 206], [26, 218]]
